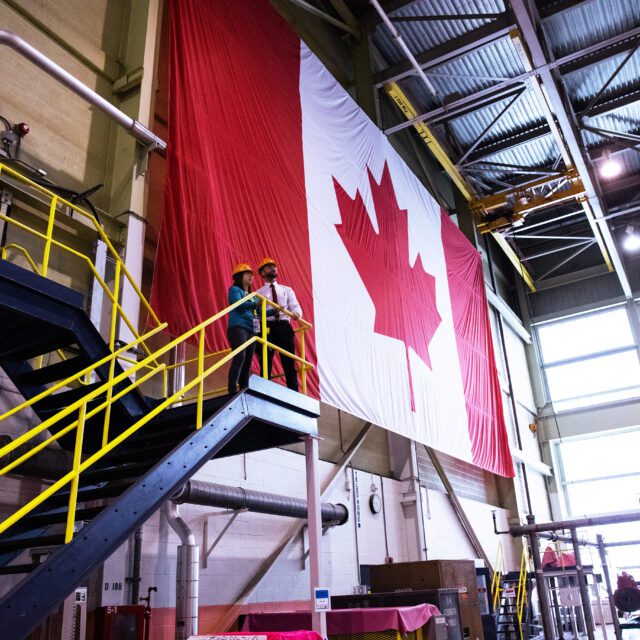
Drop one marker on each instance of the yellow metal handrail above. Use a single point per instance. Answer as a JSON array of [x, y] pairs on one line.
[[109, 387], [50, 242], [496, 578], [521, 596], [116, 386]]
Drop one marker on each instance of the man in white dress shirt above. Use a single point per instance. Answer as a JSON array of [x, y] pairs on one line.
[[280, 329]]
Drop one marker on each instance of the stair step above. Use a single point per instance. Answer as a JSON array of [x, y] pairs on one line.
[[14, 569], [89, 493], [54, 372], [33, 344], [142, 452], [53, 517], [15, 544], [63, 399], [121, 471]]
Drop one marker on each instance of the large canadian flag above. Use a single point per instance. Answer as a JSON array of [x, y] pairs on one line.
[[269, 155]]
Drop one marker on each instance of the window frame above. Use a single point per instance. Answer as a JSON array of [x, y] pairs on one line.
[[545, 366]]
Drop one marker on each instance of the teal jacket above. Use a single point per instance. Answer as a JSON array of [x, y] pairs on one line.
[[242, 315]]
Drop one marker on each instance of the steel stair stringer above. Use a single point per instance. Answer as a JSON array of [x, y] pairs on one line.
[[262, 416]]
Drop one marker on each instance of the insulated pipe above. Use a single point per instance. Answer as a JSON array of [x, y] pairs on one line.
[[402, 44], [578, 523], [135, 128], [216, 495], [187, 574], [137, 567]]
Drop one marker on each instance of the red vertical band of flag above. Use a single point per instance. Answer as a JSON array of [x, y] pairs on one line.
[[235, 174], [483, 398]]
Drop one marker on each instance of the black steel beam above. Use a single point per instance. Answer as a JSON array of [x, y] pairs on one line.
[[447, 51], [482, 98], [507, 143], [555, 8], [598, 56], [612, 103]]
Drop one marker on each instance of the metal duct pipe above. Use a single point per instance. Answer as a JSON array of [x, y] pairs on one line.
[[216, 495], [405, 49], [577, 523], [137, 566], [48, 464], [135, 128], [187, 574]]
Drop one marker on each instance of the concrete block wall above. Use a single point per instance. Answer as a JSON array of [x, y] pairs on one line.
[[68, 139]]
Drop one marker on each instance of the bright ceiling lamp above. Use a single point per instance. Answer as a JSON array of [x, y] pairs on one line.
[[631, 242], [610, 167]]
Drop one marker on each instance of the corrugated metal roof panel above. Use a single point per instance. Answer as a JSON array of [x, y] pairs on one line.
[[422, 36], [583, 84], [524, 114], [540, 152], [589, 23], [468, 74], [624, 119]]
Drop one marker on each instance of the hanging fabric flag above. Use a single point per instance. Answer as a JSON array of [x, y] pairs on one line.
[[269, 156]]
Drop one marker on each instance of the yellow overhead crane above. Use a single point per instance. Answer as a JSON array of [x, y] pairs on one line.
[[404, 104]]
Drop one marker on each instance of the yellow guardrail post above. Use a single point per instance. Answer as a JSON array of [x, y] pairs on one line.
[[263, 323], [497, 574], [47, 244], [303, 368], [75, 482], [200, 378], [521, 598], [112, 344]]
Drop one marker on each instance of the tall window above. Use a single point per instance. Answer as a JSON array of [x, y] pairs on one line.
[[599, 474], [590, 359]]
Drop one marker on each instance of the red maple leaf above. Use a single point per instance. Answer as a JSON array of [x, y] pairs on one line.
[[404, 296]]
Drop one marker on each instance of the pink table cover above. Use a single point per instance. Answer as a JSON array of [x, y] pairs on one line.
[[340, 621], [271, 635]]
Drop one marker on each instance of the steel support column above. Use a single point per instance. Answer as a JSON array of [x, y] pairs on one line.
[[607, 580], [541, 586], [294, 531], [314, 520], [582, 585]]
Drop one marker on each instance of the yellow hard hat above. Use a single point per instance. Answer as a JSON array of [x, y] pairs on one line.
[[241, 268], [265, 262]]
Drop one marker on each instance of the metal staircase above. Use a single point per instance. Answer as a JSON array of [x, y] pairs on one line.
[[127, 452]]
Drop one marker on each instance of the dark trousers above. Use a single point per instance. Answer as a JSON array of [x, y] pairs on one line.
[[241, 363], [281, 334]]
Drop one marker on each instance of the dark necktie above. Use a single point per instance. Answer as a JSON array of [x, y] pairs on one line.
[[274, 297]]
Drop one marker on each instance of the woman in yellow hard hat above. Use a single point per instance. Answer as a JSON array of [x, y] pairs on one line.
[[240, 327]]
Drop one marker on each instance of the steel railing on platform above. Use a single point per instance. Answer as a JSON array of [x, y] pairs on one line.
[[137, 373]]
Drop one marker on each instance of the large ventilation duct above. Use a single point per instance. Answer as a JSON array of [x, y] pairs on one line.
[[209, 494]]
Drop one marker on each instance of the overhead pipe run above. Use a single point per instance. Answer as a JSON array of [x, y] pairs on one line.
[[209, 494], [576, 523], [135, 128]]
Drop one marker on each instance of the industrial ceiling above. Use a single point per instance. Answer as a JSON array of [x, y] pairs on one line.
[[532, 108]]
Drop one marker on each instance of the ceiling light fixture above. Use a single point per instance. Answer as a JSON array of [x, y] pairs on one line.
[[631, 242], [610, 167]]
